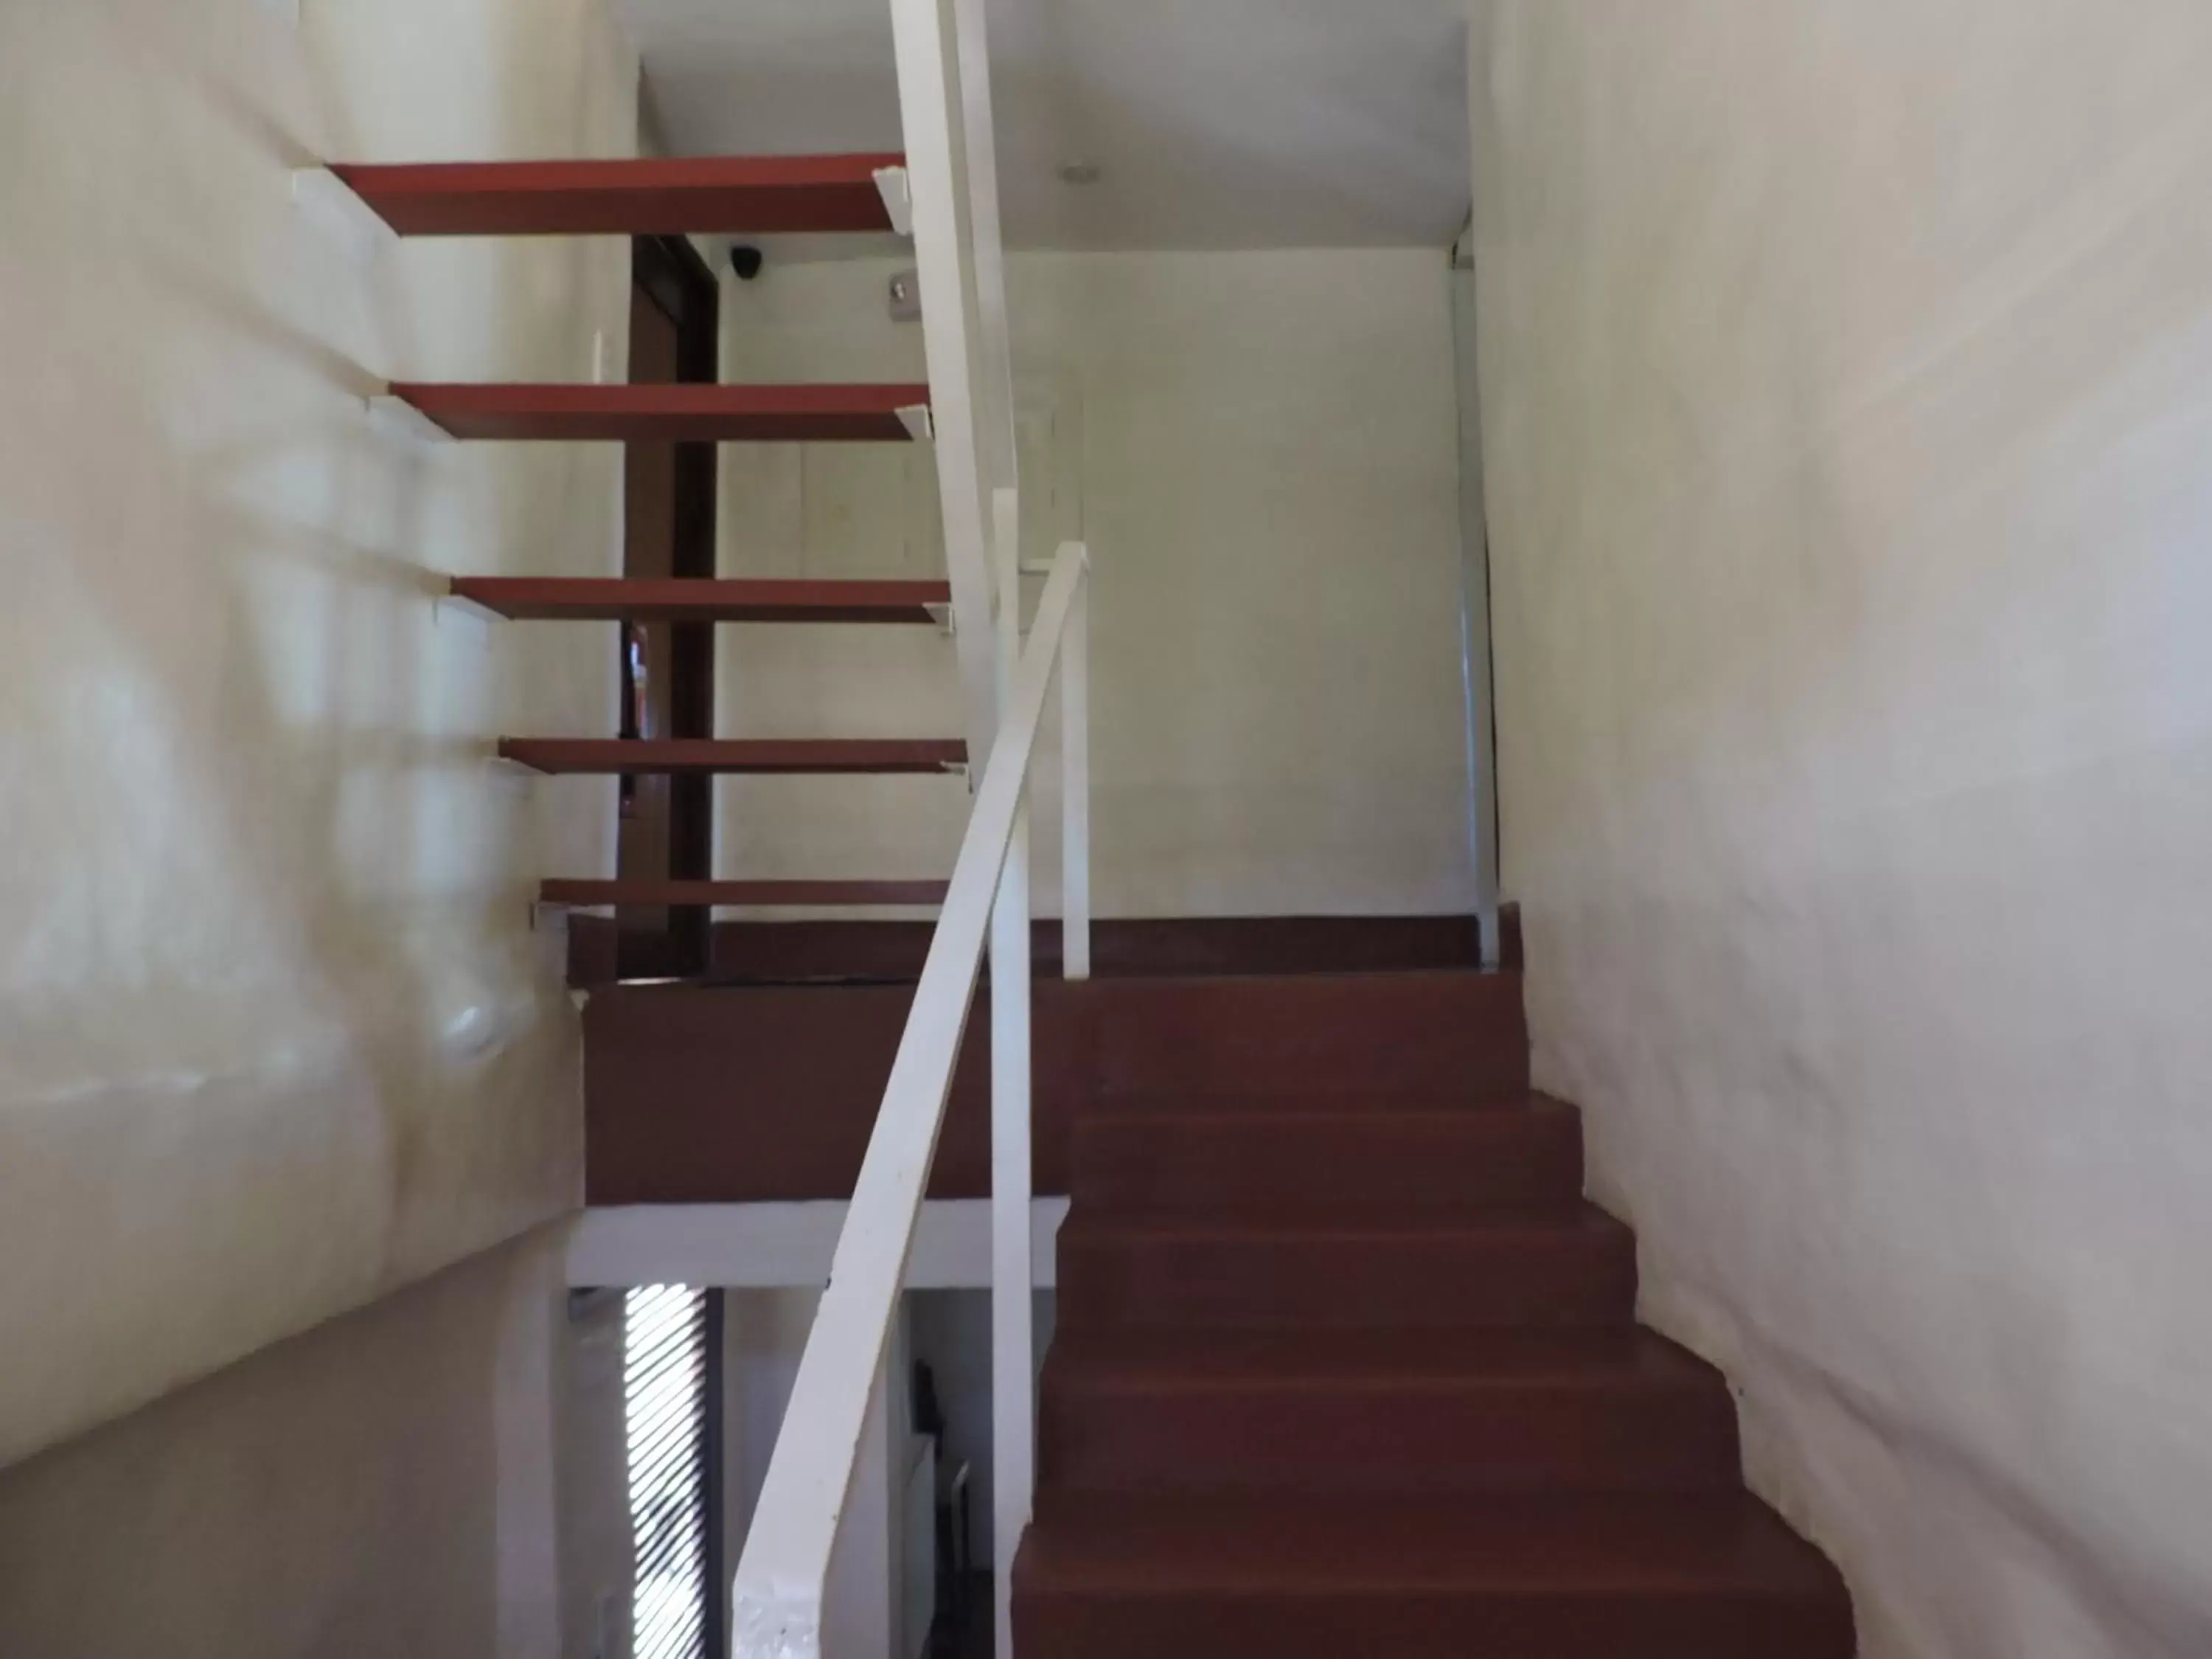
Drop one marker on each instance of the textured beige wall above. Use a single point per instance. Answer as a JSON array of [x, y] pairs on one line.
[[1847, 383], [1261, 450], [273, 1037], [387, 1484]]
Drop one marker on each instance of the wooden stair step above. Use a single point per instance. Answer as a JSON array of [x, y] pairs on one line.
[[615, 598], [1343, 1273], [1425, 1035], [1437, 1162], [696, 755], [654, 894], [568, 413], [1410, 1411], [696, 196], [1284, 1576]]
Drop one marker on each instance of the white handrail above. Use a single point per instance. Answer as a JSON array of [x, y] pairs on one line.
[[782, 1573]]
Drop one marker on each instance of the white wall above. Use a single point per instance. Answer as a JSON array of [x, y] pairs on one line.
[[387, 1484], [1261, 449], [275, 1038], [1847, 385]]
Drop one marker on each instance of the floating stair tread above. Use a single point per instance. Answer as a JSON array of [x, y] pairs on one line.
[[615, 598], [1302, 1547], [697, 196], [1169, 1360], [761, 893], [672, 755], [570, 412]]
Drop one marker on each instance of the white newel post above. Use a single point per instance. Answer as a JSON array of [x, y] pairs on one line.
[[1075, 781], [1014, 1408]]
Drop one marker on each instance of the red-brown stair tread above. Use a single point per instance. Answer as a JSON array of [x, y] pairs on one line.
[[1169, 1105], [1106, 1575], [728, 755], [569, 413], [1350, 1272], [1389, 1411], [655, 894], [696, 195], [1325, 1544], [705, 599], [1424, 1163]]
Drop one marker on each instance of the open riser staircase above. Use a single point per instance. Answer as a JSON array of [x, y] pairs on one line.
[[859, 194]]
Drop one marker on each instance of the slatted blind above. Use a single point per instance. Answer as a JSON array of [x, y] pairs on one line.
[[664, 1394]]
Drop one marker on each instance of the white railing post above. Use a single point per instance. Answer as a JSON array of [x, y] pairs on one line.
[[945, 261], [1013, 1275], [1075, 781], [1013, 1354]]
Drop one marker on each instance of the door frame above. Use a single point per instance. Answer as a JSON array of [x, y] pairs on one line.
[[672, 273]]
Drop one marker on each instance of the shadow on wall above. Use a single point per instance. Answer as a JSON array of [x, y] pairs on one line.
[[384, 1485], [272, 995]]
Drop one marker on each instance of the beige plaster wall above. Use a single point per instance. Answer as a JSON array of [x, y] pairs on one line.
[[389, 1483], [1262, 451], [1847, 390], [274, 1035]]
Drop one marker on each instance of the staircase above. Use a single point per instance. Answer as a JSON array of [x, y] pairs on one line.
[[711, 197], [1345, 1365]]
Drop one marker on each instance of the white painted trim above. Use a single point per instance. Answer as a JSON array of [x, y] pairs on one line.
[[919, 424], [898, 198], [781, 1577], [787, 1246]]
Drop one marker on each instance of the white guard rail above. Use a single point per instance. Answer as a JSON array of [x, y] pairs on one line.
[[781, 1577]]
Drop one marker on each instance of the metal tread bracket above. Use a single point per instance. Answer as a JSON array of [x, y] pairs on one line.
[[897, 191]]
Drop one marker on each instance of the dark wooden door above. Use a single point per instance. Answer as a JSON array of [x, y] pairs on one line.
[[666, 829]]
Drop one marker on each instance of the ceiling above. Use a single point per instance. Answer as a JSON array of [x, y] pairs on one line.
[[1214, 124]]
